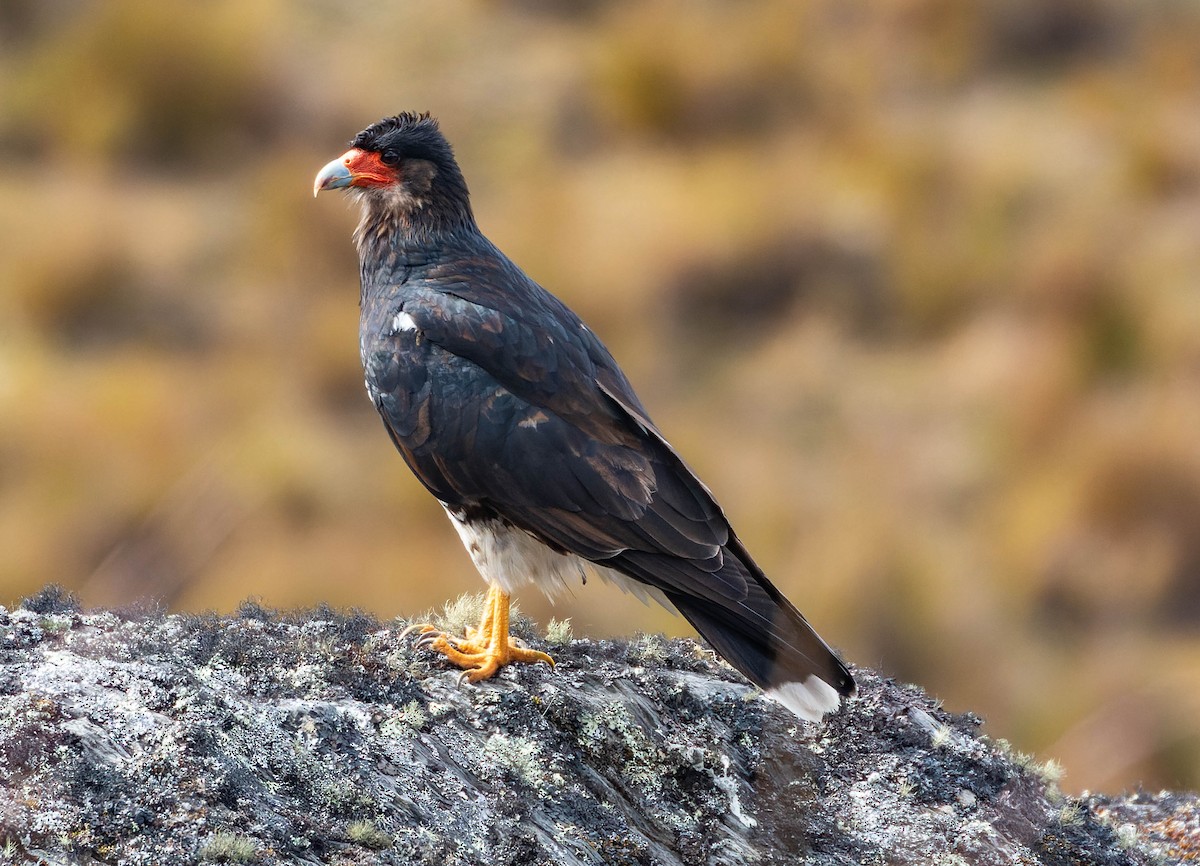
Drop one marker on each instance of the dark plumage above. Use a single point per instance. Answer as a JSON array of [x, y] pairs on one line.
[[516, 417]]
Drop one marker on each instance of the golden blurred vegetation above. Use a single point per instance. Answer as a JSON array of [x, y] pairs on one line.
[[912, 284]]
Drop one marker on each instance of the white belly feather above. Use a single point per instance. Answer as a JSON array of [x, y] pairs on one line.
[[509, 557]]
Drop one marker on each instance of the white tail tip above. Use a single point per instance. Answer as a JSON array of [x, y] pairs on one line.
[[810, 699]]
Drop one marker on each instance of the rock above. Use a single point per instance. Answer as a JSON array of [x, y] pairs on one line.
[[322, 737]]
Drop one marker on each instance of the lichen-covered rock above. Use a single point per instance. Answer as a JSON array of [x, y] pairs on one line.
[[324, 738]]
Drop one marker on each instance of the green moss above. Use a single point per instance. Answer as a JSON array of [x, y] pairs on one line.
[[366, 834], [1051, 772], [341, 794], [405, 720], [941, 737], [558, 632], [1071, 813], [648, 649], [465, 611], [226, 847]]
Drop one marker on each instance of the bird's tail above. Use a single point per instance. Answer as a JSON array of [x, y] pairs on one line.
[[766, 638]]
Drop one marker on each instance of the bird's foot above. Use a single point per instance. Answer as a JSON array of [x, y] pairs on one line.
[[482, 651], [480, 661]]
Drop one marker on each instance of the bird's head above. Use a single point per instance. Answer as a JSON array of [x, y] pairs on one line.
[[404, 171]]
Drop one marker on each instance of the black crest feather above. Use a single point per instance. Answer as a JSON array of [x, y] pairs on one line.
[[415, 136]]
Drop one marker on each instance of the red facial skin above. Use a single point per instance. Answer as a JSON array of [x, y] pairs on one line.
[[367, 170]]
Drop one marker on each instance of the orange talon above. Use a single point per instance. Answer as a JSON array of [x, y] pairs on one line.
[[483, 651]]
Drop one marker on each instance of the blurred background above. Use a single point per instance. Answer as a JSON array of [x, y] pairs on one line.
[[914, 285]]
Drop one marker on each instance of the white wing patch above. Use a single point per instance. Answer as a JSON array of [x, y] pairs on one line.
[[403, 322]]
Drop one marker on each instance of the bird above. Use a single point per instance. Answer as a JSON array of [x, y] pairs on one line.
[[518, 420]]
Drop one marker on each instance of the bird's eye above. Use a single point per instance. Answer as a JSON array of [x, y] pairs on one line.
[[391, 156]]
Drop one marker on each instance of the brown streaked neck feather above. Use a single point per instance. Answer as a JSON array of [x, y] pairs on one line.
[[431, 204]]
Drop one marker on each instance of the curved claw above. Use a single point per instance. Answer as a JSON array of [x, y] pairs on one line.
[[429, 639], [407, 630], [422, 627]]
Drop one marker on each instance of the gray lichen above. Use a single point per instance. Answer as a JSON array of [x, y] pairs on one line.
[[323, 737]]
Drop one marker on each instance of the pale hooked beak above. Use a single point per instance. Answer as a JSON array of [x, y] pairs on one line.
[[335, 175]]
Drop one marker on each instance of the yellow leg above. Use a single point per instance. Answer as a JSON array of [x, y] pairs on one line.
[[483, 651]]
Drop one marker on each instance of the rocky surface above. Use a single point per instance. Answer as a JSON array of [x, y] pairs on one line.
[[323, 737]]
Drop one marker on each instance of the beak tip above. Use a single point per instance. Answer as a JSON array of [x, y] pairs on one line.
[[335, 175]]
